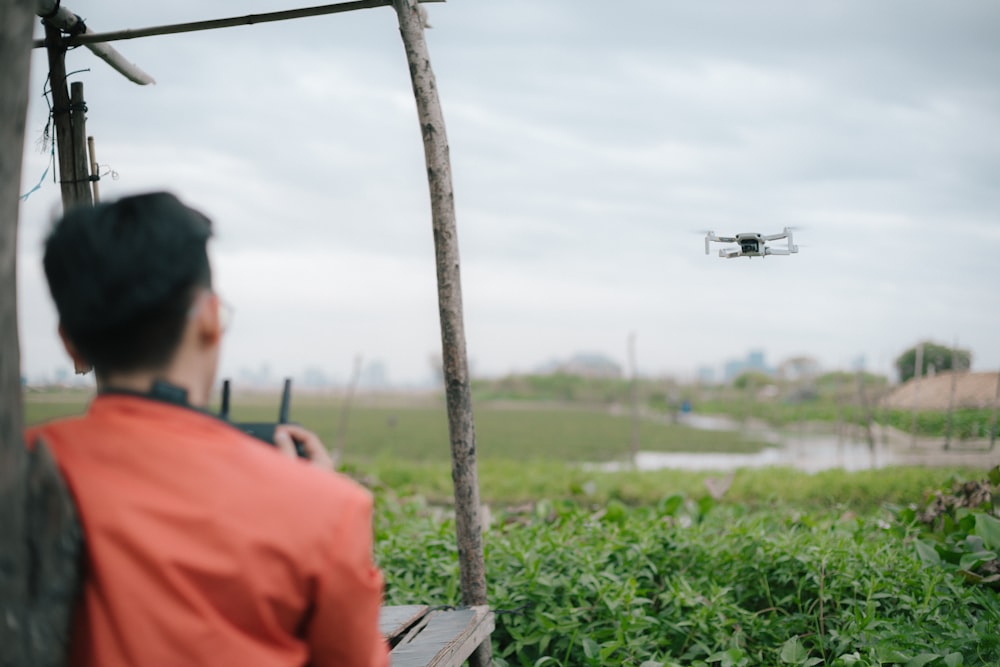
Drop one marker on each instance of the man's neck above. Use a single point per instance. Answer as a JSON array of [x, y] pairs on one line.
[[142, 383]]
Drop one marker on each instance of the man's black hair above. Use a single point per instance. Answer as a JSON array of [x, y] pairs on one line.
[[123, 276]]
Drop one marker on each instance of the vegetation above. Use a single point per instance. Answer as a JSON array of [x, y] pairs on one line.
[[648, 568], [417, 430], [934, 356], [689, 583]]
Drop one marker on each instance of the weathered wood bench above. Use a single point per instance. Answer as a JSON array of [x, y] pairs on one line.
[[422, 636]]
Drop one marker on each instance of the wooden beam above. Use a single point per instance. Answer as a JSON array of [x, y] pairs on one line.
[[68, 22], [458, 393], [40, 538], [249, 19]]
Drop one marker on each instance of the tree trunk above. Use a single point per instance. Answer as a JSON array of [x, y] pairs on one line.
[[456, 367], [41, 539]]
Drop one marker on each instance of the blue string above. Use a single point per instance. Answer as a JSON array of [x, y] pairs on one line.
[[38, 186]]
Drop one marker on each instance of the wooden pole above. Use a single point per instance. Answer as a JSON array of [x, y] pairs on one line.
[[81, 162], [40, 539], [458, 394], [918, 374], [197, 26], [95, 170], [61, 114], [633, 400], [951, 398], [345, 411], [867, 417], [993, 415]]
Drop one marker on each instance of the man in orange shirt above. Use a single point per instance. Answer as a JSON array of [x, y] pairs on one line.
[[204, 546]]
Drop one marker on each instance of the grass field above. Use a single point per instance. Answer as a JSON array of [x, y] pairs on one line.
[[590, 568], [533, 450], [416, 428]]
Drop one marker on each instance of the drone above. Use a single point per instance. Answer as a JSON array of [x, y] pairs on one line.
[[752, 244]]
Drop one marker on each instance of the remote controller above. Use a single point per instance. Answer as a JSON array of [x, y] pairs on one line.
[[264, 430]]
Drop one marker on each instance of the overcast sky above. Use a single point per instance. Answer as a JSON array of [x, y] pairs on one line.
[[590, 143]]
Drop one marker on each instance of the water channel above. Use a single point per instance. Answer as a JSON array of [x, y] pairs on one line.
[[796, 448]]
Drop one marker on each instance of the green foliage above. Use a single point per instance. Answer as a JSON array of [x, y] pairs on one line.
[[505, 483], [686, 583], [960, 531], [938, 357], [558, 387], [752, 380], [966, 423]]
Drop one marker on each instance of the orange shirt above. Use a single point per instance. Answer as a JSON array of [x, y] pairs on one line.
[[207, 547]]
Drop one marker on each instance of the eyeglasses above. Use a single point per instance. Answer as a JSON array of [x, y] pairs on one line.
[[225, 310], [225, 314]]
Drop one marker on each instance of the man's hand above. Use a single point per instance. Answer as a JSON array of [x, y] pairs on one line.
[[315, 451]]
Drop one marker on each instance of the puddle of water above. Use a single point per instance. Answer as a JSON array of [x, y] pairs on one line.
[[807, 452]]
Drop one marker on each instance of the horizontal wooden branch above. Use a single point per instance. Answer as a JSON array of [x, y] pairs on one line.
[[250, 19]]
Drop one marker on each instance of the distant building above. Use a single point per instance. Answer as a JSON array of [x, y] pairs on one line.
[[754, 361]]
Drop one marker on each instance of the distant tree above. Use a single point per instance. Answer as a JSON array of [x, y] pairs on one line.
[[938, 357], [752, 380]]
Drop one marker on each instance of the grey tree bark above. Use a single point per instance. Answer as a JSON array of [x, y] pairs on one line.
[[458, 393], [41, 539]]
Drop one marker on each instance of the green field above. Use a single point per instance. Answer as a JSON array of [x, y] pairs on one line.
[[591, 568], [416, 428]]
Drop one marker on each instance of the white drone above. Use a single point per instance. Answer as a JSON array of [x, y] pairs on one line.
[[752, 244]]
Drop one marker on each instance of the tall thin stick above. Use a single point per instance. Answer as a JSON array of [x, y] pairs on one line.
[[345, 411], [81, 161], [993, 415], [95, 173], [458, 391], [951, 398], [633, 400], [918, 374]]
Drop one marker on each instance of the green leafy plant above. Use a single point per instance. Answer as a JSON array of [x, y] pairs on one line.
[[960, 530]]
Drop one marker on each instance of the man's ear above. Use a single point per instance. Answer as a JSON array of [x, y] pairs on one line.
[[80, 365], [207, 320]]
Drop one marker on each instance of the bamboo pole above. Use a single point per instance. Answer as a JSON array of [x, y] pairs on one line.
[[61, 114], [918, 374], [81, 162], [993, 415], [62, 18], [461, 426], [95, 170], [40, 539], [345, 411], [951, 398], [197, 26], [633, 400]]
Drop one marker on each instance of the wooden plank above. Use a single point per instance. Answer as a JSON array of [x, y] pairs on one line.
[[393, 621], [449, 638]]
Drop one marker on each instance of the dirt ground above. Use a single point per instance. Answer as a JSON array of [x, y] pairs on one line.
[[972, 390]]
